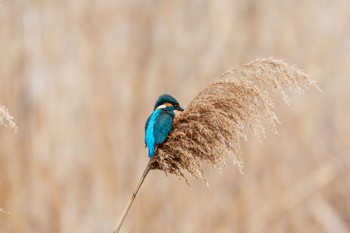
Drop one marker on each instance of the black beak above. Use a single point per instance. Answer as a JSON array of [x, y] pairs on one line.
[[179, 109]]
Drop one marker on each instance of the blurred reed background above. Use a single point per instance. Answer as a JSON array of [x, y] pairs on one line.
[[81, 77]]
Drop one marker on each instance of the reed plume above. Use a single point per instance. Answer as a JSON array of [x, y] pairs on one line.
[[6, 119], [211, 128], [217, 119]]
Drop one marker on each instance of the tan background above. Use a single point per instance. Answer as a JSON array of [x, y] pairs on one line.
[[81, 77]]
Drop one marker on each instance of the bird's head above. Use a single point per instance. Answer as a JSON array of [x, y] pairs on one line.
[[167, 102]]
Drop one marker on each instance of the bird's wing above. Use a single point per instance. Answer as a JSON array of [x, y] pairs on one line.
[[146, 125], [163, 127]]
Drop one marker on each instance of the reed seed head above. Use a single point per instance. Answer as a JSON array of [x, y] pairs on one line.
[[211, 128], [6, 119]]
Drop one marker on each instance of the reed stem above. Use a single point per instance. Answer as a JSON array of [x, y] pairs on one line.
[[132, 198]]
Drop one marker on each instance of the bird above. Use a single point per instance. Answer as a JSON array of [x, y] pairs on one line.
[[159, 124]]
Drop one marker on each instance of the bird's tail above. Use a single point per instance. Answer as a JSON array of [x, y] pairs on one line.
[[151, 152]]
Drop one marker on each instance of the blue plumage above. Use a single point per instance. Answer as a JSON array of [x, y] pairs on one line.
[[159, 124]]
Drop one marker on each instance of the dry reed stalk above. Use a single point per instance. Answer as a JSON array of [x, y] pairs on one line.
[[217, 119], [6, 119], [132, 198], [214, 123]]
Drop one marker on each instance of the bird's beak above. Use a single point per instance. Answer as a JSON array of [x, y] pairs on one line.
[[180, 109]]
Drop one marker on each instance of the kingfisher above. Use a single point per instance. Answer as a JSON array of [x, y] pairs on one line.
[[160, 123]]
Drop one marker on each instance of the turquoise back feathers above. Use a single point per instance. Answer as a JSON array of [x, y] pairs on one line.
[[159, 124]]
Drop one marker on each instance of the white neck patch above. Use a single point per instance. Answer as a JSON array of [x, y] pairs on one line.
[[161, 107]]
